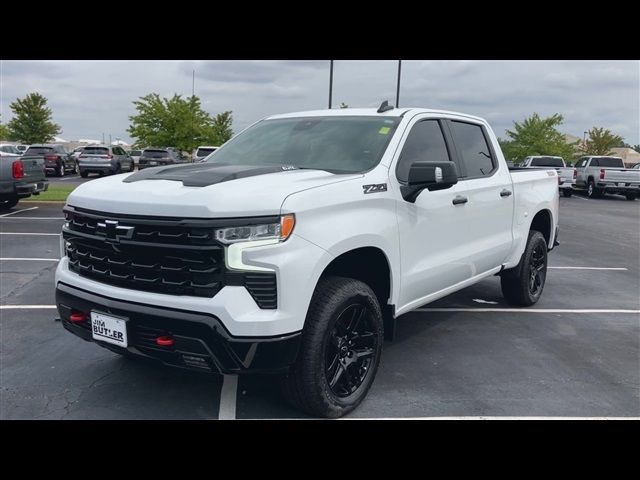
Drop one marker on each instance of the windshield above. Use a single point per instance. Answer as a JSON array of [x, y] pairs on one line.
[[155, 153], [10, 149], [38, 151], [547, 162], [610, 162], [337, 144], [203, 152]]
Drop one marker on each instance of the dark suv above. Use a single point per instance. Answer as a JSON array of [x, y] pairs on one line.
[[158, 157], [56, 159]]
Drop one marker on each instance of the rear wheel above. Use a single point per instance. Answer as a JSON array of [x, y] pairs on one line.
[[567, 192], [340, 349], [523, 284], [60, 170], [631, 196], [592, 190], [7, 202], [84, 174]]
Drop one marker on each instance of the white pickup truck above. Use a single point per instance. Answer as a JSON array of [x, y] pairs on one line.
[[295, 245], [566, 175], [599, 175]]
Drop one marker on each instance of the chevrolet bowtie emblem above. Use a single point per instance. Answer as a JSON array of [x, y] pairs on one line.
[[113, 231]]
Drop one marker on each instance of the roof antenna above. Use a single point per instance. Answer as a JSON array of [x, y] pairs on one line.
[[384, 107]]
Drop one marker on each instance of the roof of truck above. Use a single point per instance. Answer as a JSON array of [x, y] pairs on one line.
[[394, 112]]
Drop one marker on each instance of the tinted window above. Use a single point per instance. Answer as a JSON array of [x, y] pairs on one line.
[[340, 144], [203, 152], [582, 163], [425, 143], [95, 151], [135, 153], [10, 149], [611, 162], [473, 148], [155, 153], [547, 162], [38, 150], [594, 162]]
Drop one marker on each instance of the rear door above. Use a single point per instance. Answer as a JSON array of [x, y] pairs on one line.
[[488, 228]]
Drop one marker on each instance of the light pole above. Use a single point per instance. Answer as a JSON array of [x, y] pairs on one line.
[[398, 84], [330, 82]]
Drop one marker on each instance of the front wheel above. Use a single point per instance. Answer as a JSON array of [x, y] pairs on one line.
[[60, 171], [523, 284], [340, 349], [631, 196], [84, 174]]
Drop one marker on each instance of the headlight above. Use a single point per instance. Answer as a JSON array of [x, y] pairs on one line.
[[271, 231]]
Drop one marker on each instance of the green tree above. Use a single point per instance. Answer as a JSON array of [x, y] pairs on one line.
[[537, 136], [5, 134], [636, 148], [176, 122], [220, 130], [31, 122], [601, 141]]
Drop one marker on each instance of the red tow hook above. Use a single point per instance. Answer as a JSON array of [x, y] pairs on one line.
[[78, 317], [165, 341]]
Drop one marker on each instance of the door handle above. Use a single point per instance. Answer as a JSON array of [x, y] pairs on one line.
[[505, 193], [460, 200]]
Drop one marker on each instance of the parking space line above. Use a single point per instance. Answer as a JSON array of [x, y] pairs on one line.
[[227, 408], [29, 233], [11, 259], [27, 307], [530, 310], [590, 268], [18, 211]]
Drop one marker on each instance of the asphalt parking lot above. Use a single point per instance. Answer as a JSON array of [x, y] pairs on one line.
[[574, 354]]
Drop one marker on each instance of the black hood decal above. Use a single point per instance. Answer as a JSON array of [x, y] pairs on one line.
[[204, 174]]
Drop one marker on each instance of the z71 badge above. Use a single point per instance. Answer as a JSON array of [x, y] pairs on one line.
[[379, 187]]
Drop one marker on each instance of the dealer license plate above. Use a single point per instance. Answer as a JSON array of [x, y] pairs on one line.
[[108, 328]]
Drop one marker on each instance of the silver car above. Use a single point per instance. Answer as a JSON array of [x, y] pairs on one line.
[[104, 159]]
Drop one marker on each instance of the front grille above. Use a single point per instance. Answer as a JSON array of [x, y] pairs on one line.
[[169, 256]]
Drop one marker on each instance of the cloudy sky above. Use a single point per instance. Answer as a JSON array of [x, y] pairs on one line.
[[89, 98]]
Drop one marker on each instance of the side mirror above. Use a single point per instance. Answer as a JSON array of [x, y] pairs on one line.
[[430, 176]]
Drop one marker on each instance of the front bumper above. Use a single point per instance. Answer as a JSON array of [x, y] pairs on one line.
[[201, 341]]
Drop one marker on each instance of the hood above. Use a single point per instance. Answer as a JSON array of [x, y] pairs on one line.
[[203, 190]]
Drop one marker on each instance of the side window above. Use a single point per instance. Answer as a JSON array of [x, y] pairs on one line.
[[594, 162], [473, 149], [425, 143]]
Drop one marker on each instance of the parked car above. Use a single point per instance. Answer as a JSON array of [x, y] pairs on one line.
[[203, 151], [155, 157], [10, 149], [76, 153], [104, 159], [599, 175], [56, 159], [22, 148], [20, 177], [566, 175], [277, 256], [135, 155]]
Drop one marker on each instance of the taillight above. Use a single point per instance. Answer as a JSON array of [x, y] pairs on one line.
[[575, 173], [51, 157], [602, 174], [17, 168]]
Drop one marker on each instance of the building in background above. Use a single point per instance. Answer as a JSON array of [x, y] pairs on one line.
[[629, 156]]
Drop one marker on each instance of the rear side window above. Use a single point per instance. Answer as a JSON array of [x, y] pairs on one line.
[[473, 149], [38, 150], [594, 162], [425, 143], [203, 152], [547, 162], [95, 151]]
